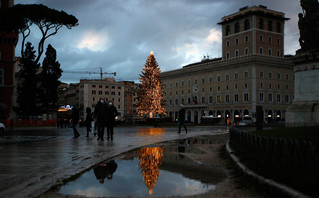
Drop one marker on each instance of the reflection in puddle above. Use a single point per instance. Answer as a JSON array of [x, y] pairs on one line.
[[151, 171], [150, 161], [151, 131]]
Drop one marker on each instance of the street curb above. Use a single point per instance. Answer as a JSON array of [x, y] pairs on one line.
[[281, 187]]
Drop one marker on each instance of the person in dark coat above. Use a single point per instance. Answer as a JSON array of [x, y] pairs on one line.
[[88, 121], [110, 117], [75, 121], [105, 170], [100, 117], [181, 119]]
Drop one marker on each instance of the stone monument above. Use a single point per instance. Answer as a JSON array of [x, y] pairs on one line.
[[304, 110]]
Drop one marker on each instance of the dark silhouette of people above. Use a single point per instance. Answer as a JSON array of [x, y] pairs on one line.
[[181, 119], [75, 120], [100, 116], [88, 121], [105, 170], [110, 117]]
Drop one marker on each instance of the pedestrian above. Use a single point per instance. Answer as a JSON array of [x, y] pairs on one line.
[[111, 114], [88, 121], [75, 120], [181, 119], [100, 117]]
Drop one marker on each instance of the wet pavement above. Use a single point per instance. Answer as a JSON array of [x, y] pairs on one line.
[[32, 161]]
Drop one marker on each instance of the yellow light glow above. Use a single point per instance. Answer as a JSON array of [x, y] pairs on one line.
[[152, 52]]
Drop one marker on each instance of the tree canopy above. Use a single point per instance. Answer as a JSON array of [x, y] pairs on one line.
[[19, 18]]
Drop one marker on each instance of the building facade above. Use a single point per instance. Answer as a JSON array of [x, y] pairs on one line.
[[8, 42], [245, 78], [87, 93]]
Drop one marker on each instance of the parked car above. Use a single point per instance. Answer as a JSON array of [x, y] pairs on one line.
[[242, 123], [2, 128]]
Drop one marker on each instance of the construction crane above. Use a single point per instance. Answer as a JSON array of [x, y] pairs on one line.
[[88, 72]]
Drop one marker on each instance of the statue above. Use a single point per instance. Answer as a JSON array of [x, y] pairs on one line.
[[309, 25]]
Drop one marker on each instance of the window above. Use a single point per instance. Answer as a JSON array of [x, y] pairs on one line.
[[261, 74], [113, 87], [246, 39], [236, 86], [113, 93], [182, 101], [247, 25], [189, 82], [93, 99], [246, 51], [203, 80], [278, 86], [286, 98], [107, 93], [176, 102], [270, 75], [227, 30], [195, 81], [188, 100], [236, 97], [219, 99], [227, 87], [261, 85], [210, 99], [119, 93], [261, 50], [287, 76], [261, 24], [176, 84], [246, 98], [261, 97], [269, 25], [227, 44], [93, 86], [182, 83], [269, 52], [278, 52], [1, 76], [270, 85], [119, 87], [227, 77], [270, 97], [237, 27], [100, 86], [236, 53], [170, 102], [261, 38], [278, 27], [278, 98], [236, 41], [236, 76], [270, 40], [170, 85], [227, 98], [106, 87], [218, 78], [278, 76], [227, 55], [93, 92], [278, 41], [210, 79], [203, 100], [246, 85], [246, 74]]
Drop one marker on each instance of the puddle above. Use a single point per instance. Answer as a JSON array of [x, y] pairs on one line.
[[159, 170]]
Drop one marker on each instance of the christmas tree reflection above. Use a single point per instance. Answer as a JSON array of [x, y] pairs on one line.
[[150, 160]]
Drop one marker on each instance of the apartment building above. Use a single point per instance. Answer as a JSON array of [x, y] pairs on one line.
[[87, 93], [252, 72]]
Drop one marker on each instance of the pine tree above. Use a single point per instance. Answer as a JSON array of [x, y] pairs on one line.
[[151, 96], [51, 72], [27, 89]]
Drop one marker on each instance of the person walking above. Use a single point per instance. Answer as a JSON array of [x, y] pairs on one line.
[[75, 121], [88, 121], [100, 117], [110, 117], [181, 119]]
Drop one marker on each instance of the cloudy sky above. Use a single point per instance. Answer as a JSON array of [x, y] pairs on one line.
[[118, 35]]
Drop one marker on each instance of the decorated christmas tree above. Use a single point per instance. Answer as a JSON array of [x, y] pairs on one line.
[[151, 96]]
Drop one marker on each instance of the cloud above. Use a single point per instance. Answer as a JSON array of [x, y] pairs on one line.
[[94, 41]]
